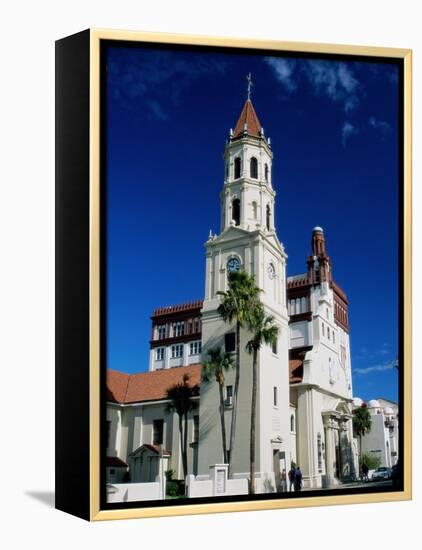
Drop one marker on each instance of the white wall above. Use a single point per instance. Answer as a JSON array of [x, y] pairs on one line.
[[26, 223], [131, 492]]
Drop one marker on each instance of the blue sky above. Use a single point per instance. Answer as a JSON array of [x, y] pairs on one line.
[[333, 127]]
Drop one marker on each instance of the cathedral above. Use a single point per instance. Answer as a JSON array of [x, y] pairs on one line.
[[304, 399]]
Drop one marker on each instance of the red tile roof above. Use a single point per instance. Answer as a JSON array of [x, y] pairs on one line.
[[155, 449], [117, 383], [179, 307], [115, 462], [297, 281], [148, 386], [337, 288], [152, 386], [248, 116]]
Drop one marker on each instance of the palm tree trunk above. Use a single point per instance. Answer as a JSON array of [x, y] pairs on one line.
[[223, 424], [235, 393], [185, 448], [253, 421], [182, 444]]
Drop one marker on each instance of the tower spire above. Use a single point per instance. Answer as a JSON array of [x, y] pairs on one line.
[[319, 264]]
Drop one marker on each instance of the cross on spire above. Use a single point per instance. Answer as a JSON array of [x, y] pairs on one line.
[[250, 84]]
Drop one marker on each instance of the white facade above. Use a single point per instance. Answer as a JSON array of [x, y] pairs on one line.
[[382, 441], [132, 427], [304, 395]]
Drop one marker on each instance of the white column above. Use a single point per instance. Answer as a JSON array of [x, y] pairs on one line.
[[228, 210], [208, 275], [185, 354], [329, 452], [242, 208]]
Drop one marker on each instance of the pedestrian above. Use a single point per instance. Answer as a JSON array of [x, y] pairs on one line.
[[298, 479], [291, 476], [283, 481], [365, 471]]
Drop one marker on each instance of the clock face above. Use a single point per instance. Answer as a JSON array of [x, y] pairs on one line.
[[271, 271], [233, 265]]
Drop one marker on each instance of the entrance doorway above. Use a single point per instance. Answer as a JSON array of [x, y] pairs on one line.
[[276, 468]]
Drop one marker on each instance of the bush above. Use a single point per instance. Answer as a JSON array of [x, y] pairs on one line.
[[175, 488], [372, 462], [169, 475]]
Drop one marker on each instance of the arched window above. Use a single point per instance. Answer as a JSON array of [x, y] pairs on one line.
[[237, 166], [236, 211], [254, 210], [267, 173], [254, 168], [268, 217], [292, 423]]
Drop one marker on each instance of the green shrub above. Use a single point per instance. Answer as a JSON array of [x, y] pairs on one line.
[[373, 462]]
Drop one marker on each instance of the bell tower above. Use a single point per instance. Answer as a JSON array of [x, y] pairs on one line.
[[247, 241], [247, 199]]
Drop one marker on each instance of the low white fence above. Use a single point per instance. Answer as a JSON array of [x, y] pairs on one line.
[[129, 492], [216, 484]]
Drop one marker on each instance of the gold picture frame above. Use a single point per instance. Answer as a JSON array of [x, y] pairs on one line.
[[92, 508]]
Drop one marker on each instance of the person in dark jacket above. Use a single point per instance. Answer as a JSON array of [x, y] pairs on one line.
[[291, 476], [365, 471], [298, 479]]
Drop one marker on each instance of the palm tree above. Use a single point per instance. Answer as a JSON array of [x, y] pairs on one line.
[[263, 331], [215, 367], [180, 396], [235, 306], [362, 423]]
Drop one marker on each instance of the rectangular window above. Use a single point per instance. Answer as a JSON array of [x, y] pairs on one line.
[[230, 342], [275, 396], [159, 354], [179, 328], [195, 348], [161, 332], [229, 396], [274, 347], [176, 351], [157, 431], [195, 438]]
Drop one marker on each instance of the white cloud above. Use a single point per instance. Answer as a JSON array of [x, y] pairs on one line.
[[283, 70], [347, 131], [381, 125], [376, 368], [333, 80]]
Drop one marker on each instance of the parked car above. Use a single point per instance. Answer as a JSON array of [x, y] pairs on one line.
[[381, 473]]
